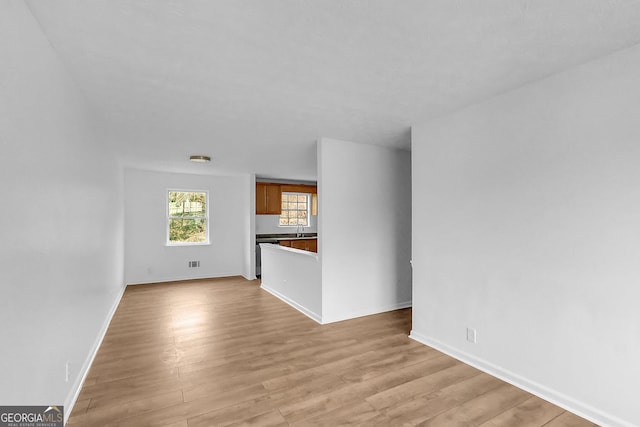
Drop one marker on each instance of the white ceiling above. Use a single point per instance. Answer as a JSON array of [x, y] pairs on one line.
[[254, 83]]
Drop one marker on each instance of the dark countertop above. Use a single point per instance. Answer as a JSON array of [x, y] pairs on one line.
[[262, 238]]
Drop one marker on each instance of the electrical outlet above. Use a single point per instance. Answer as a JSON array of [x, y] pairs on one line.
[[194, 264], [66, 372], [471, 335]]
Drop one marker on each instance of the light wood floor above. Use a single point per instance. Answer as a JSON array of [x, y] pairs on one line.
[[223, 352]]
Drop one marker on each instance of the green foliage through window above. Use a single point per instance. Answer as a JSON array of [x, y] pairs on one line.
[[187, 215]]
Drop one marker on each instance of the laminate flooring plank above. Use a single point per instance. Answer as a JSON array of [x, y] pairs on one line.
[[241, 412], [213, 388], [217, 352], [344, 366], [357, 414], [419, 409], [128, 408], [567, 419], [480, 409], [268, 419], [103, 375], [137, 383], [305, 391], [353, 392], [532, 412], [429, 383]]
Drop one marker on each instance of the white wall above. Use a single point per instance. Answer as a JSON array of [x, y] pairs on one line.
[[526, 226], [250, 230], [148, 258], [364, 228], [61, 252], [270, 224], [294, 276]]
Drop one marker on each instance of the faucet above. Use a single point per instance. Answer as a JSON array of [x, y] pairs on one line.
[[298, 228]]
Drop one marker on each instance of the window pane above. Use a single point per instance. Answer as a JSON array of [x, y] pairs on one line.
[[294, 209], [188, 230], [187, 204]]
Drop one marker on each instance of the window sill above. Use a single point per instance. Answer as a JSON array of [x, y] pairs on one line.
[[173, 245]]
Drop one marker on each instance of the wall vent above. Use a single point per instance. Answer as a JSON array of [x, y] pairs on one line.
[[193, 264]]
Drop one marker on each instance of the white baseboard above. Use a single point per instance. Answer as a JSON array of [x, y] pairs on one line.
[[368, 312], [184, 278], [249, 278], [72, 397], [579, 408], [310, 314]]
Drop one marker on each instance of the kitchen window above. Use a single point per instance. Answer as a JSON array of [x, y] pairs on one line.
[[187, 217], [295, 210]]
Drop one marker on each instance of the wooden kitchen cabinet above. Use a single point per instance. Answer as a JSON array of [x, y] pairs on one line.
[[312, 190], [268, 198], [313, 245], [300, 188], [314, 204], [310, 245], [300, 244]]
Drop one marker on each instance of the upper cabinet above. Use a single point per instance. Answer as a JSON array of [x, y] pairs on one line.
[[314, 204], [312, 190], [268, 198]]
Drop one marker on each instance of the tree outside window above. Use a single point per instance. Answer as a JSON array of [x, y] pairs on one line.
[[187, 217]]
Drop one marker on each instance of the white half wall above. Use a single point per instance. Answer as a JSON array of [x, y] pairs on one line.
[[61, 222], [294, 276], [148, 258], [364, 228], [526, 227]]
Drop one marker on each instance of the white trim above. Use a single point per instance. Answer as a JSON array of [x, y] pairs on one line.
[[72, 397], [184, 279], [310, 314], [297, 193], [369, 312], [245, 277], [168, 218], [579, 408], [277, 247], [181, 244]]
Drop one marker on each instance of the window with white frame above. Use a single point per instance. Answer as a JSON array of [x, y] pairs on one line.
[[295, 210], [187, 217]]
